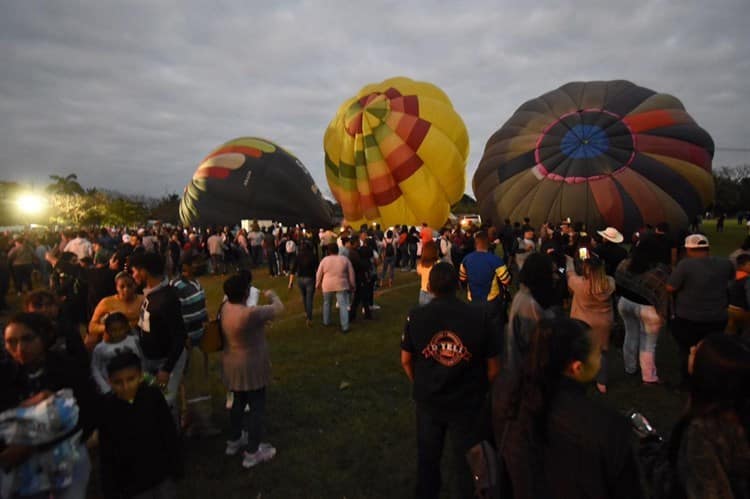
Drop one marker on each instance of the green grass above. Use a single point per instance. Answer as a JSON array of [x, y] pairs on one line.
[[359, 441]]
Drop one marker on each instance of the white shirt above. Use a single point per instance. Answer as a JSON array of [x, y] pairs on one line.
[[104, 352]]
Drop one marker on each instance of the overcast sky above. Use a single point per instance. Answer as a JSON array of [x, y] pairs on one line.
[[130, 95]]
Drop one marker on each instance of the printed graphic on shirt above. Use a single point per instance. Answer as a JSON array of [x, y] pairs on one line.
[[144, 320], [446, 348]]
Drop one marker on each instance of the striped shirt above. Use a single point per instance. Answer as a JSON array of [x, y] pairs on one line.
[[193, 306]]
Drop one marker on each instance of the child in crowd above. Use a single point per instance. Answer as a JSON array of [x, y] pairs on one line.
[[139, 447], [117, 339]]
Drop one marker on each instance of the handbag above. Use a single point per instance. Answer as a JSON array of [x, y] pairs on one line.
[[213, 337], [488, 469]]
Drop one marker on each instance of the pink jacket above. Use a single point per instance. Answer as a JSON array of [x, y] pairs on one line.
[[335, 273]]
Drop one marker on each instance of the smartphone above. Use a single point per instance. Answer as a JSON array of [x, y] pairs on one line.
[[583, 253]]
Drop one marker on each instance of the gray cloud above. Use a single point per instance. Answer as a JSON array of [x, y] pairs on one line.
[[131, 95]]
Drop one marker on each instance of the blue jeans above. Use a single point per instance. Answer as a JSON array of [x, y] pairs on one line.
[[342, 297], [642, 326], [389, 266], [307, 289]]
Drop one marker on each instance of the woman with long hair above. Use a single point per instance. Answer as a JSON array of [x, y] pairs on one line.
[[553, 439], [426, 262], [643, 306], [592, 303], [390, 258], [536, 298], [708, 452]]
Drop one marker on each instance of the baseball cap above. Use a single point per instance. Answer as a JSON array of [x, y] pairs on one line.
[[696, 241]]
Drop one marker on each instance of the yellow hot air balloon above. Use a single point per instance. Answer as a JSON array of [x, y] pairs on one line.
[[396, 153]]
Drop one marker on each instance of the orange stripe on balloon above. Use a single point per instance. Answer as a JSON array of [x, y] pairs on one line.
[[608, 201], [674, 148], [355, 125], [644, 198], [246, 150], [383, 183], [405, 125], [649, 120]]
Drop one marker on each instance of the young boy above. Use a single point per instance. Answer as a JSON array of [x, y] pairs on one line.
[[139, 448], [117, 340]]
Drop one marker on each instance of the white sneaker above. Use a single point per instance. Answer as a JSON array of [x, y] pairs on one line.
[[374, 306], [264, 453], [234, 446]]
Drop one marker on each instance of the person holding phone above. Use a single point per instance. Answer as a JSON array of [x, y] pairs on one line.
[[592, 303]]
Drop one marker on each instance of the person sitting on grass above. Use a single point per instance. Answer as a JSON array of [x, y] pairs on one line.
[[117, 340], [139, 447]]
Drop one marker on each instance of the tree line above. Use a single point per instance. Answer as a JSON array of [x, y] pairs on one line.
[[69, 203]]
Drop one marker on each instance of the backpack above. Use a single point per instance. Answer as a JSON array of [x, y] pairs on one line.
[[389, 249]]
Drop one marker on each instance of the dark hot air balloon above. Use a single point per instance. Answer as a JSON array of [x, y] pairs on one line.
[[251, 178], [604, 153]]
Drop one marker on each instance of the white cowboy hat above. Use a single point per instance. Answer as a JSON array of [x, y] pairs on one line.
[[611, 234]]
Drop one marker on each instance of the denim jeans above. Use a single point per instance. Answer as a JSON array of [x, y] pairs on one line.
[[342, 297], [389, 266], [255, 420], [431, 432], [307, 289], [642, 326], [175, 378]]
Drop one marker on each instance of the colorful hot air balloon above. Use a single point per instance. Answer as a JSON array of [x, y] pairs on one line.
[[250, 178], [395, 153], [604, 153]]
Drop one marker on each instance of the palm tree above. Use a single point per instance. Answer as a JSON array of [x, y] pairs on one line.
[[65, 185]]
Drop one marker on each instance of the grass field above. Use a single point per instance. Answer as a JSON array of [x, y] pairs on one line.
[[340, 410]]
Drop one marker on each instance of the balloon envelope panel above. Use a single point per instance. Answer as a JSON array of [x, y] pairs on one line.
[[607, 153], [251, 178], [395, 153]]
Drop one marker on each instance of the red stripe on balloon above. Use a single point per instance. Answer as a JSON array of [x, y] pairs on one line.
[[403, 163], [405, 125], [392, 93], [246, 150], [388, 196], [212, 172], [674, 148], [411, 104], [417, 135], [608, 201]]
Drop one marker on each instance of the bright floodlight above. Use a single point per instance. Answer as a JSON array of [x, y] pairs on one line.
[[31, 203]]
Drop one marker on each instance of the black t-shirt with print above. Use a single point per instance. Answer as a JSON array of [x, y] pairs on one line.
[[450, 342]]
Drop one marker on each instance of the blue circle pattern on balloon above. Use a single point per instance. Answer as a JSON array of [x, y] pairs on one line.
[[585, 141]]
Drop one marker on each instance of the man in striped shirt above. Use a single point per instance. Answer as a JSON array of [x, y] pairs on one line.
[[192, 301]]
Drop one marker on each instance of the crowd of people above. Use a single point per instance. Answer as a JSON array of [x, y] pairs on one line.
[[110, 329]]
